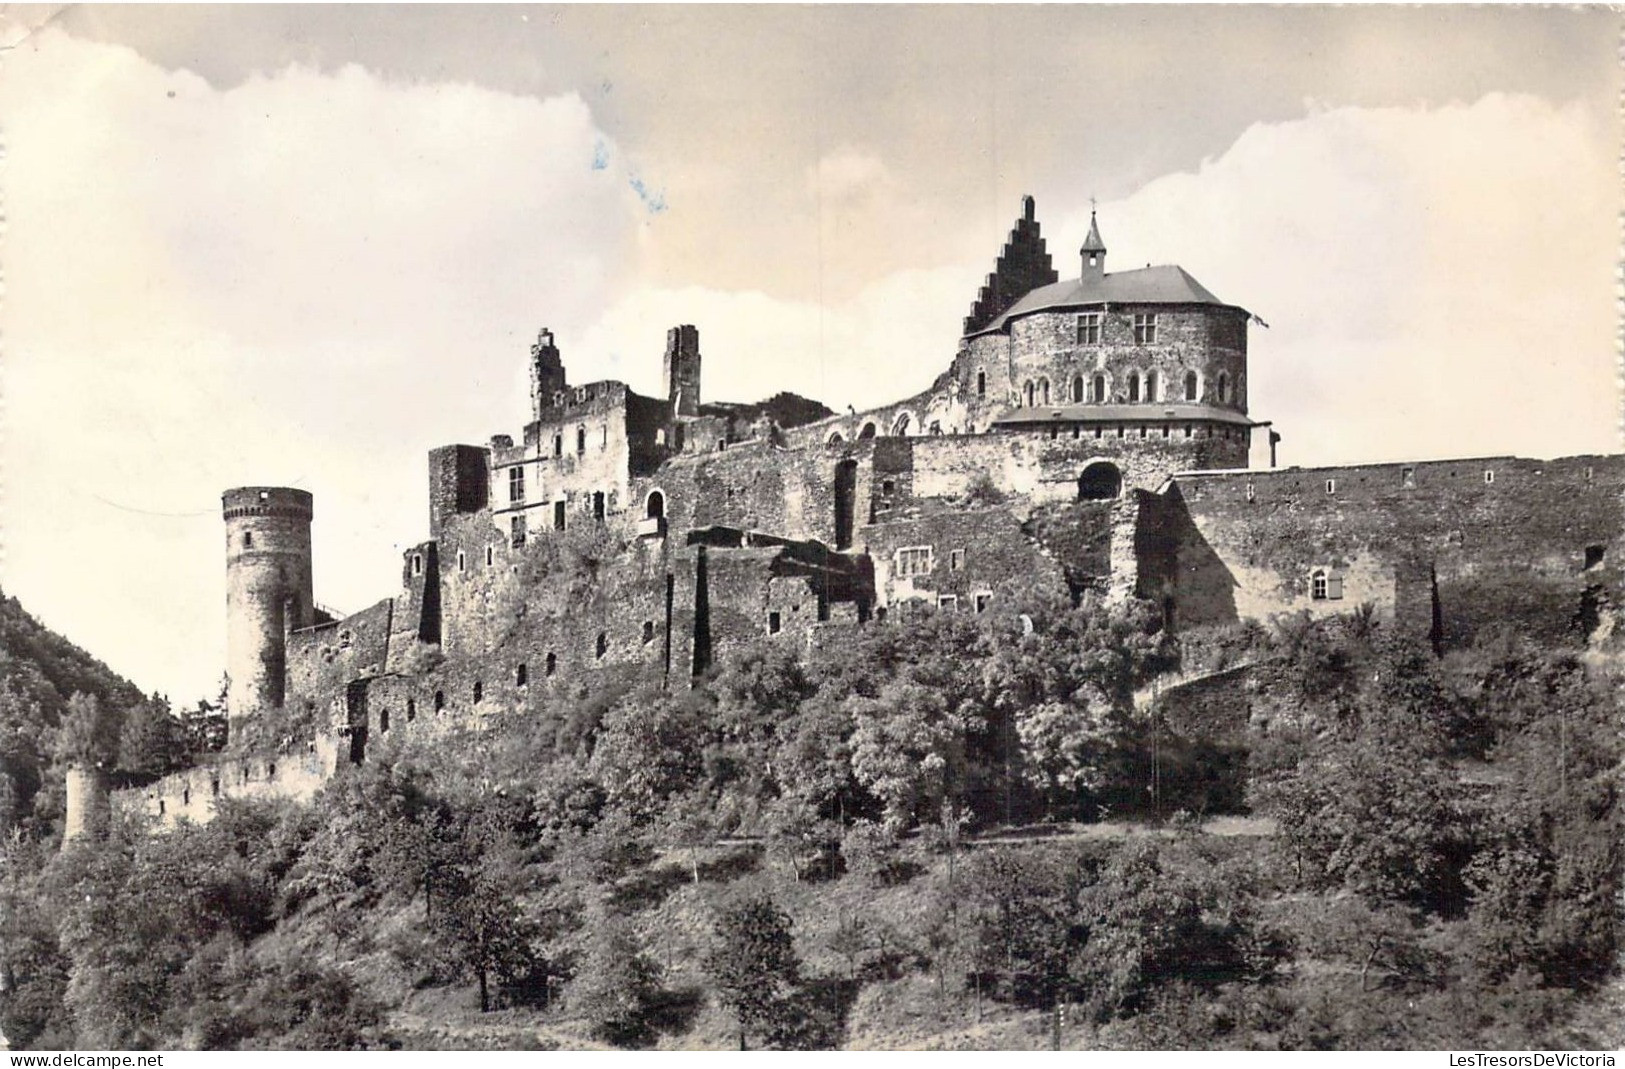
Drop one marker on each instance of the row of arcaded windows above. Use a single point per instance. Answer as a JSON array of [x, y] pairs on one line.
[[1148, 387]]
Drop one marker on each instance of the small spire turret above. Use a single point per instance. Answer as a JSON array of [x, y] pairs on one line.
[[1094, 249]]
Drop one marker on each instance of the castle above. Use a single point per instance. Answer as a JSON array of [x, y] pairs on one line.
[[1090, 433]]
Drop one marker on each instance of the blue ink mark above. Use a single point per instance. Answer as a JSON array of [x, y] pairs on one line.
[[655, 202], [600, 156]]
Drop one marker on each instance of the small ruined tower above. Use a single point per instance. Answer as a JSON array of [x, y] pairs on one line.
[[268, 592], [1093, 252], [88, 808], [546, 373], [680, 371]]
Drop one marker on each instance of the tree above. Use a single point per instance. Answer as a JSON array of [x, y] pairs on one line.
[[1156, 917], [908, 751], [617, 987], [483, 933], [1066, 749], [89, 733], [754, 966], [1021, 905], [152, 741]]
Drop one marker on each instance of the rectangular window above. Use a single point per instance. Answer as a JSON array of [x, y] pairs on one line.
[[1145, 328], [912, 561], [516, 483], [1089, 328], [1326, 585], [773, 623], [982, 602], [518, 532], [956, 560], [948, 603], [558, 515], [1407, 477]]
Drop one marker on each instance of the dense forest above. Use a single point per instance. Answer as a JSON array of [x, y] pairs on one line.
[[970, 831]]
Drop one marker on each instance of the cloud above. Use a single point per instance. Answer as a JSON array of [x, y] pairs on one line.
[[307, 279]]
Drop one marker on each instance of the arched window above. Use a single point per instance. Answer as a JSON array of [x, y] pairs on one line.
[[411, 710], [1077, 389], [1100, 390], [1100, 481], [648, 632], [899, 429], [981, 384], [603, 644], [551, 665], [867, 432], [1151, 386], [521, 675], [558, 445], [1031, 393], [479, 691], [439, 700], [1043, 388], [835, 439], [1190, 385], [383, 725], [655, 507], [581, 439], [1317, 584], [1224, 387], [1133, 385]]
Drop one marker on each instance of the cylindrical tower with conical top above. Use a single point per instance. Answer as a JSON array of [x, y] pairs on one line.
[[268, 591]]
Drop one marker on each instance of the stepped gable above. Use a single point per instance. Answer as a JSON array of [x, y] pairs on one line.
[[1023, 265]]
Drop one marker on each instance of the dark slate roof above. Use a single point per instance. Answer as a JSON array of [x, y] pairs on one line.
[[1166, 284], [1143, 413]]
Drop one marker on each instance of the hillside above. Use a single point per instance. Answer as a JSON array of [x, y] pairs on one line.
[[1332, 840], [40, 674], [43, 668]]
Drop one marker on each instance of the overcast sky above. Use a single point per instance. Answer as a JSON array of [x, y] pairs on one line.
[[303, 246]]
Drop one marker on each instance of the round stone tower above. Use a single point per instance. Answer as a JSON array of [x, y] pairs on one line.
[[268, 591]]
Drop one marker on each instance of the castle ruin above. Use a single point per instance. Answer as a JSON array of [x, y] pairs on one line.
[[1091, 433]]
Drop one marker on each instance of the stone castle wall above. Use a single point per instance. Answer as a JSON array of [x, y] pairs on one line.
[[1497, 539]]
